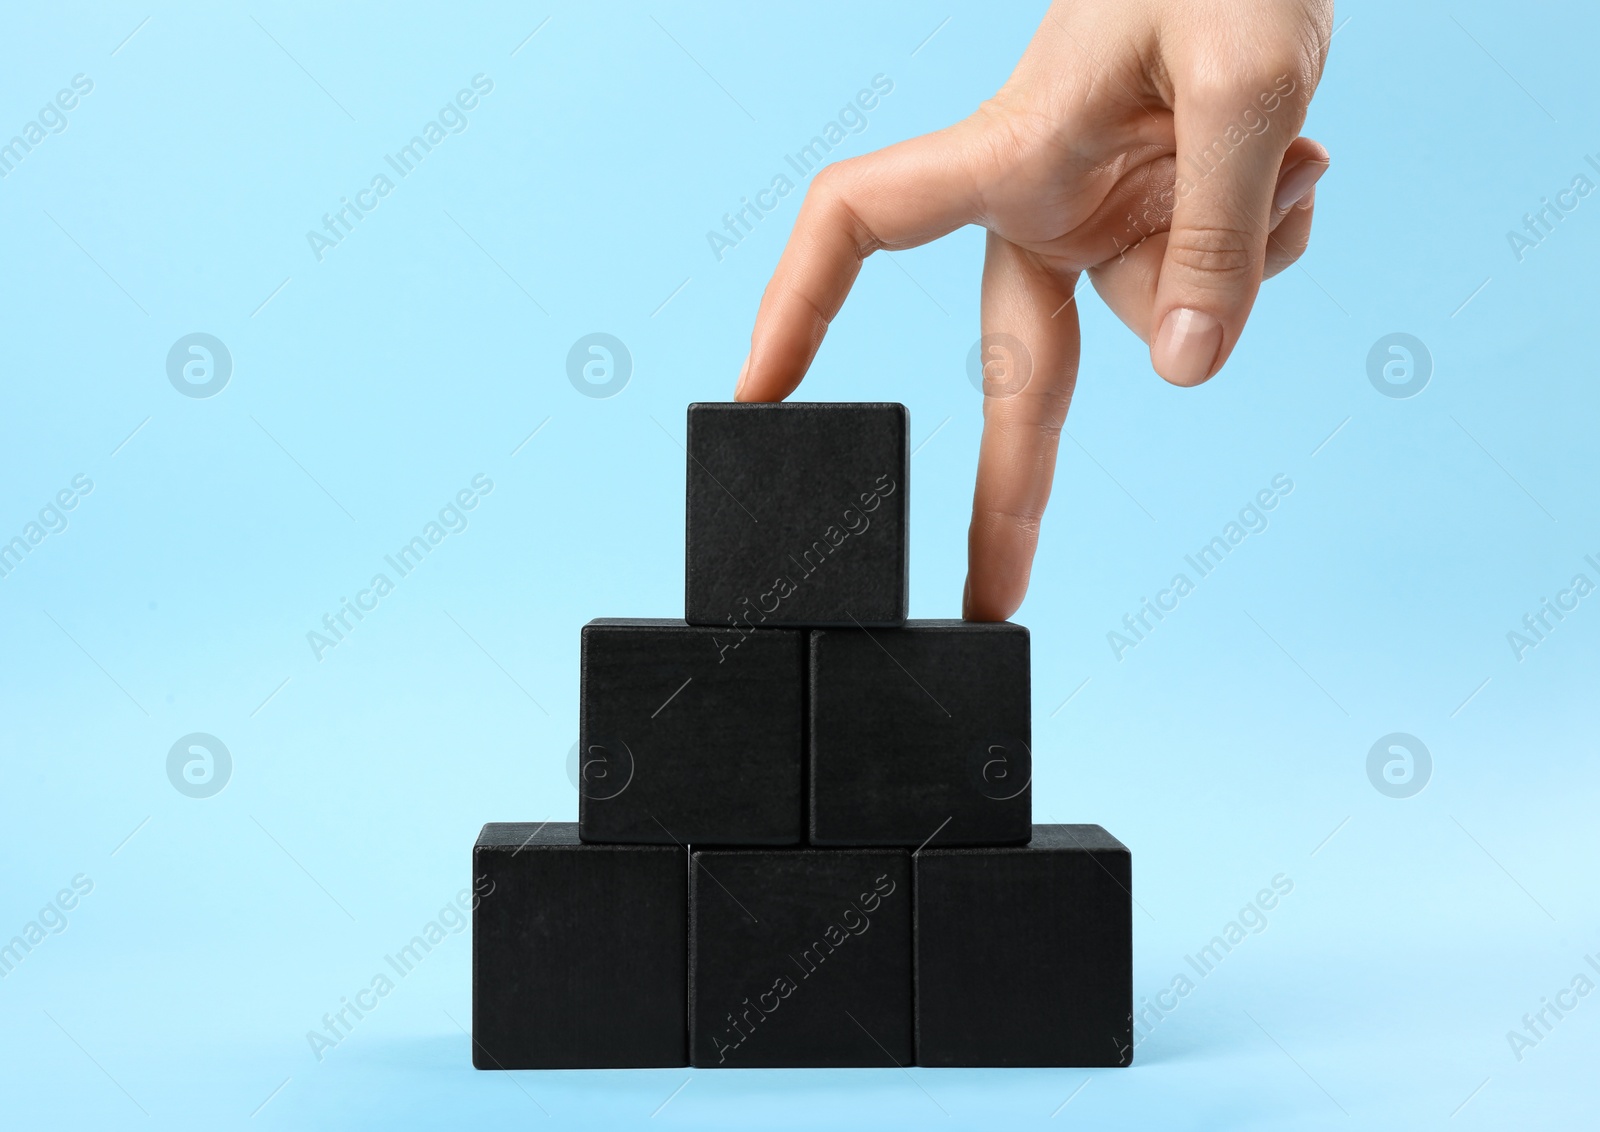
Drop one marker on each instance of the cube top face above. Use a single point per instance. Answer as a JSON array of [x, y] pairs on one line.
[[579, 952], [1080, 838], [796, 514], [800, 958], [1024, 955], [689, 734], [1091, 839], [921, 734], [518, 835]]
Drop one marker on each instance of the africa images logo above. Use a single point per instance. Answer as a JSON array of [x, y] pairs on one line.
[[199, 365], [199, 765]]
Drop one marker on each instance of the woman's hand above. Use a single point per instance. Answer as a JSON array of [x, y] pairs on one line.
[[1152, 143]]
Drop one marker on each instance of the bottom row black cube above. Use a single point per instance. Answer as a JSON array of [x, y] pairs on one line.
[[800, 957], [1025, 954], [613, 956], [578, 951]]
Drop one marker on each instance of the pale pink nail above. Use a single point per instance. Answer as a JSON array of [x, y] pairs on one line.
[[1295, 182], [1186, 347]]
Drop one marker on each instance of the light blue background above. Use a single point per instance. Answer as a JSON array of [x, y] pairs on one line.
[[367, 389]]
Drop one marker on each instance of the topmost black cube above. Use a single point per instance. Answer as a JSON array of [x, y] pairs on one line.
[[796, 515]]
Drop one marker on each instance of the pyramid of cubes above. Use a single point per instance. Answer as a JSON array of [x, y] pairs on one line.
[[805, 832]]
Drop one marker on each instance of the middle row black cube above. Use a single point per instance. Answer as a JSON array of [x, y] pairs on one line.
[[689, 735], [921, 734], [853, 737]]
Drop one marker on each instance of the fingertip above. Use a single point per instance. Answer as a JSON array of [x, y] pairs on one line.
[[1307, 149], [987, 611], [744, 377], [986, 604]]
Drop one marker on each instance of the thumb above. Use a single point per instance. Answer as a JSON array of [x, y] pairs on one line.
[[1231, 139]]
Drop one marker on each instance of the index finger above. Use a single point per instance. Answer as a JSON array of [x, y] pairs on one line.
[[899, 197]]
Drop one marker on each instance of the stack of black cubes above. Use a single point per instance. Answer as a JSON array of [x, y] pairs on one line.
[[804, 831]]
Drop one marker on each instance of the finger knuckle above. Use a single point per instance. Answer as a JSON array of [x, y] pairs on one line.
[[1024, 519], [1029, 434], [1219, 254], [828, 183], [827, 191], [1272, 84], [1035, 412], [1048, 409], [829, 200]]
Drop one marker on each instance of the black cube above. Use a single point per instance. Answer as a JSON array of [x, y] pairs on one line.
[[578, 951], [689, 734], [796, 514], [1025, 954], [800, 958], [920, 734]]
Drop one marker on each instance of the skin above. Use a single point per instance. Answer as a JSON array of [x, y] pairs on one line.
[[1092, 158]]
